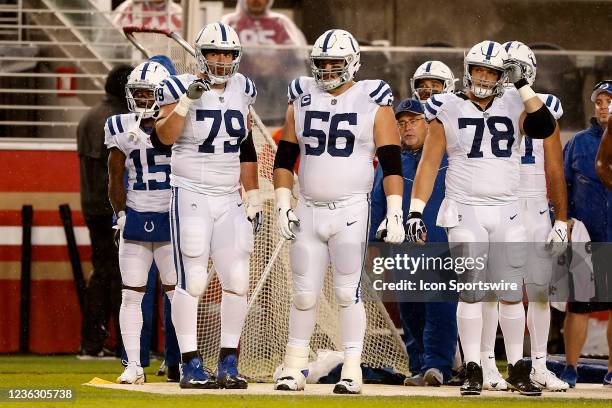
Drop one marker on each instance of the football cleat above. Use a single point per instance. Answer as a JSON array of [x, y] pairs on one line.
[[133, 374], [227, 374], [347, 386], [547, 380], [290, 381], [194, 375], [473, 379], [607, 381], [492, 380], [569, 375], [518, 380], [415, 381]]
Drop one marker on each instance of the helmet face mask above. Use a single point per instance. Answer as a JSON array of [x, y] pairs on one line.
[[334, 59], [219, 39], [433, 71], [492, 56], [140, 89]]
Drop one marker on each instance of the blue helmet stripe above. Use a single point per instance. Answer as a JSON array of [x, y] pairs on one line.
[[179, 84], [556, 108], [109, 123], [428, 67], [118, 123], [490, 50], [143, 74], [326, 41], [223, 32], [508, 45], [549, 101], [382, 83]]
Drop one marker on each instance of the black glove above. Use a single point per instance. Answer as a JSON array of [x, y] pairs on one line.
[[415, 228]]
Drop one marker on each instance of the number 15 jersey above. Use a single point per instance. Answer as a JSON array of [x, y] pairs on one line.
[[336, 137], [482, 147]]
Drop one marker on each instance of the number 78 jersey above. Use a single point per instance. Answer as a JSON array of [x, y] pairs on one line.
[[482, 147], [336, 137]]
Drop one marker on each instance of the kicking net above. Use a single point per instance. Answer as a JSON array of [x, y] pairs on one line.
[[265, 333]]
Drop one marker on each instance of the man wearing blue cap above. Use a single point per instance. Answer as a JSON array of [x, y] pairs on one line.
[[430, 329], [591, 203]]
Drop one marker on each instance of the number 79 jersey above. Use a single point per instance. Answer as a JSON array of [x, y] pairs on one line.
[[336, 137], [205, 157], [482, 147]]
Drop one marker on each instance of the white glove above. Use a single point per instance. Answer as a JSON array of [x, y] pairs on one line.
[[286, 218], [557, 238], [415, 228], [514, 71], [194, 92], [254, 209], [118, 227], [391, 230]]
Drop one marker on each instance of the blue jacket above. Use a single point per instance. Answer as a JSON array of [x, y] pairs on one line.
[[589, 200], [410, 162]]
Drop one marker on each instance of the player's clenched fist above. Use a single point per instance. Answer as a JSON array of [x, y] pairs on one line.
[[254, 209], [514, 71], [415, 228], [197, 88]]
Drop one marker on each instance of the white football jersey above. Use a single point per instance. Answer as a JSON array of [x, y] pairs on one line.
[[533, 176], [148, 169], [205, 158], [336, 137], [482, 147]]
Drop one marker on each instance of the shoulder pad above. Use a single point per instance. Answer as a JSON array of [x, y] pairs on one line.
[[113, 127], [433, 105], [553, 104], [297, 88], [170, 89], [379, 92], [249, 86]]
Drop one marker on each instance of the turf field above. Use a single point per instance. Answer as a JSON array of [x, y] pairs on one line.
[[68, 372]]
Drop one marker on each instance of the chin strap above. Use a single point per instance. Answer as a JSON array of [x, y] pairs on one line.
[[133, 134]]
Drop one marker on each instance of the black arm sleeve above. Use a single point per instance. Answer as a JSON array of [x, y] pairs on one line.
[[539, 124], [286, 155], [247, 150], [158, 145], [390, 158]]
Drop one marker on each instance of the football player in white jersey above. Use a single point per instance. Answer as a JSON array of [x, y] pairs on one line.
[[430, 78], [206, 118], [480, 130], [142, 211], [541, 161], [336, 125]]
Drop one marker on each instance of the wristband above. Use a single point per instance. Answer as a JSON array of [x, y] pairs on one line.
[[394, 203], [183, 105], [416, 205], [283, 197]]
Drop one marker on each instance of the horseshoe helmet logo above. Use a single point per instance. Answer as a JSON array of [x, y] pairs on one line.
[[151, 228]]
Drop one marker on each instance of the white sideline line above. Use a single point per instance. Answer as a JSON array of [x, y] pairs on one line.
[[43, 236], [595, 391]]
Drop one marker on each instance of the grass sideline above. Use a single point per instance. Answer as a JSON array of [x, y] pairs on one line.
[[53, 372]]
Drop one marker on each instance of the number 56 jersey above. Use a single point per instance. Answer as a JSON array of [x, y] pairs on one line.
[[482, 147], [205, 158], [336, 137]]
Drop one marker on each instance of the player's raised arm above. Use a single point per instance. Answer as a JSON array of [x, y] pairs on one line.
[[603, 160], [433, 152], [284, 163], [389, 152], [537, 121], [171, 120]]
